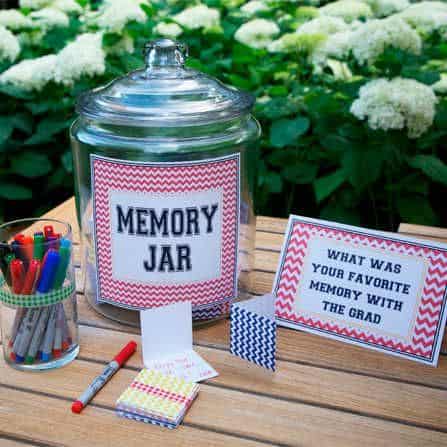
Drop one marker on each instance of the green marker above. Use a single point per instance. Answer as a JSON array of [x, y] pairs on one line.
[[64, 252], [39, 246], [8, 258]]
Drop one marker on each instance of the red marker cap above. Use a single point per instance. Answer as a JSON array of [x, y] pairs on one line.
[[48, 231], [76, 406], [126, 352]]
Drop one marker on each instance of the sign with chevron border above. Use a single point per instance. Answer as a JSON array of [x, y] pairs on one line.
[[166, 232], [380, 290], [253, 331]]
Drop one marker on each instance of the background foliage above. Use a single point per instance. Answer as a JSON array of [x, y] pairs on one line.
[[317, 158]]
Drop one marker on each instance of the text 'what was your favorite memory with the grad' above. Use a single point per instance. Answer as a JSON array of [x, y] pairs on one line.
[[366, 287], [386, 291]]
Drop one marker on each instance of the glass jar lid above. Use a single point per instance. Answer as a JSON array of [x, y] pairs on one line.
[[164, 94]]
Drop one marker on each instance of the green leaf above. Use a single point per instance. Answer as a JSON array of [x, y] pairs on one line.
[[14, 92], [273, 182], [148, 9], [23, 122], [325, 186], [300, 173], [48, 127], [67, 161], [441, 114], [338, 212], [31, 164], [6, 128], [335, 143], [417, 210], [424, 76], [284, 131], [240, 82], [277, 90], [110, 39], [243, 54], [11, 191], [431, 166], [363, 166]]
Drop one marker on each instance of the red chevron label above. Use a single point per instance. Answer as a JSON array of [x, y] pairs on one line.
[[370, 288], [166, 232]]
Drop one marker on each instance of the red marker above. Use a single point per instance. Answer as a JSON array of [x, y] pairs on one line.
[[32, 275], [27, 246], [48, 231], [17, 272], [19, 238], [103, 378]]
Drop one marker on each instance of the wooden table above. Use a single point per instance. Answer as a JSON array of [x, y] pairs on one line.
[[324, 393]]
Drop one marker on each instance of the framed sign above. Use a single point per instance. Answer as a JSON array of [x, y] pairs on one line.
[[374, 289]]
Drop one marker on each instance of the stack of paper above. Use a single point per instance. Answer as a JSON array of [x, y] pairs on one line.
[[157, 399]]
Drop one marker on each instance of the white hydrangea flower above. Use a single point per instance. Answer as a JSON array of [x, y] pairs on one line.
[[199, 16], [349, 10], [340, 70], [384, 8], [426, 16], [254, 6], [33, 4], [30, 74], [441, 85], [323, 25], [83, 57], [293, 42], [14, 19], [337, 45], [9, 45], [286, 43], [114, 15], [370, 40], [170, 30], [68, 6], [257, 33], [49, 18], [396, 104]]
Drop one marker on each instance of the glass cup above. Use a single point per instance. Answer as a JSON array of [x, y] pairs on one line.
[[38, 315]]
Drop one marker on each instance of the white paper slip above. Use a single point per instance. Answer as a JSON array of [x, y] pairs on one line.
[[167, 343]]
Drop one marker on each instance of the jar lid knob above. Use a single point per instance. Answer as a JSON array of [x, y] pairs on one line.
[[164, 53]]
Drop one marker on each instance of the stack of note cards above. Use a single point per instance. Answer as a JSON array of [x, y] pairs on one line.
[[158, 399]]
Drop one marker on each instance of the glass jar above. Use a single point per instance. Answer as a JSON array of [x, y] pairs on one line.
[[165, 160], [39, 324]]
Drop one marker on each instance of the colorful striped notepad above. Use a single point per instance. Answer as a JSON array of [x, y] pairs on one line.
[[158, 399]]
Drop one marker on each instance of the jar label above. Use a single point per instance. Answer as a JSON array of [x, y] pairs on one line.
[[166, 232]]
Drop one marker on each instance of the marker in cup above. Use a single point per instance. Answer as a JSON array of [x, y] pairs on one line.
[[37, 336]]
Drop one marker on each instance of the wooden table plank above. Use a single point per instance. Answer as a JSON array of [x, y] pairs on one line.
[[421, 231], [242, 414], [4, 442], [300, 347], [305, 348], [48, 419], [396, 401]]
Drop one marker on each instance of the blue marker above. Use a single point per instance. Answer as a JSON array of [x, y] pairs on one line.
[[48, 271]]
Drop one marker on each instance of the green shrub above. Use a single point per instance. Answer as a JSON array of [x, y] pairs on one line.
[[375, 157]]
